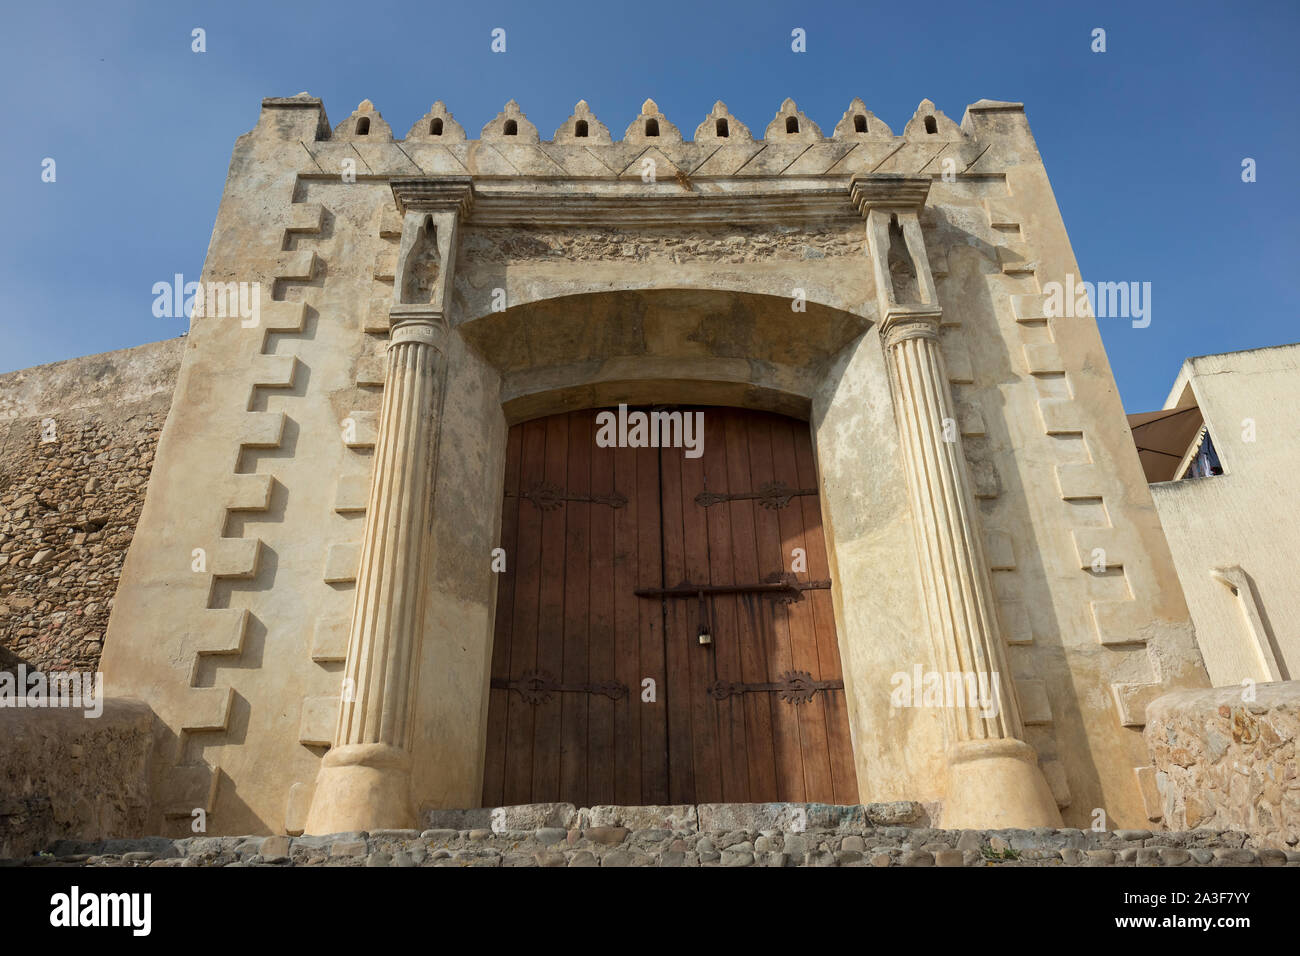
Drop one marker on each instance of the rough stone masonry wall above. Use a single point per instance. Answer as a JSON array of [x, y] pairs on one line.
[[728, 835], [69, 505], [1225, 762], [66, 774]]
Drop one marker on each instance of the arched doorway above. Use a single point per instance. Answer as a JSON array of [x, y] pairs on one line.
[[664, 625]]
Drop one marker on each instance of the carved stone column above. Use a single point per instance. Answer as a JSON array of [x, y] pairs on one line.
[[993, 776], [365, 778]]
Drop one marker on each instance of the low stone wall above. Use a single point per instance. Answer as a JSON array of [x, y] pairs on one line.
[[64, 774], [1228, 763], [77, 441], [730, 835]]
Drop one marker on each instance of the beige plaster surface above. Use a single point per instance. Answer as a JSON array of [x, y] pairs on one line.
[[1243, 519]]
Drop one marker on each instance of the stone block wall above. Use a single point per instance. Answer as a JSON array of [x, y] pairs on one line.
[[77, 444], [65, 774], [1227, 763]]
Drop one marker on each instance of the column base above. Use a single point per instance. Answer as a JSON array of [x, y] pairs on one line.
[[362, 787], [994, 784]]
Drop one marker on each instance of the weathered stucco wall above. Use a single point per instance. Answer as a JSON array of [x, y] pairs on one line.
[[66, 774], [1244, 518], [265, 460], [77, 443], [1228, 763]]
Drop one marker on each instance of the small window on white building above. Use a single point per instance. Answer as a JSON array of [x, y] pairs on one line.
[[1205, 461]]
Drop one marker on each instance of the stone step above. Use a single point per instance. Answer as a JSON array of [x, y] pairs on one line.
[[684, 845]]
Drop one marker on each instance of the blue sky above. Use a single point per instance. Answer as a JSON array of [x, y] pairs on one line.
[[1143, 143]]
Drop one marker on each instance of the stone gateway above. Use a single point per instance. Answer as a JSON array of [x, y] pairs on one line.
[[403, 549]]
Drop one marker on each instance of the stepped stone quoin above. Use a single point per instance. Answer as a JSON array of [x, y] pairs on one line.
[[968, 452]]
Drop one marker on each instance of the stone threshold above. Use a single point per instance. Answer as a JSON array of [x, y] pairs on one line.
[[692, 818]]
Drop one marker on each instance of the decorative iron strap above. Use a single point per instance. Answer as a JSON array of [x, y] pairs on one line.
[[537, 687], [548, 497], [783, 588], [771, 495], [794, 687]]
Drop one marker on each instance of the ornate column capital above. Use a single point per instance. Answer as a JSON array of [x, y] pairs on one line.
[[903, 322], [417, 324]]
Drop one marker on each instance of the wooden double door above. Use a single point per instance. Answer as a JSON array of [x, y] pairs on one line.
[[618, 560]]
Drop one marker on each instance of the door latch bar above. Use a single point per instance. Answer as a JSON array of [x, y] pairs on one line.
[[794, 687]]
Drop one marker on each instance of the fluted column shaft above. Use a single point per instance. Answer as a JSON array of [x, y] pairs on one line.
[[959, 596], [364, 781], [384, 643], [993, 777]]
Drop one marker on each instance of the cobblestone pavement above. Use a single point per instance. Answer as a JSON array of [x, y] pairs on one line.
[[709, 835]]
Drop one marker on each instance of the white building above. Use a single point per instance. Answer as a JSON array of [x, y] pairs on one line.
[[1222, 456]]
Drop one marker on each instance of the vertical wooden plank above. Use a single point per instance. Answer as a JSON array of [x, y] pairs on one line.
[[757, 613], [839, 739], [494, 767], [834, 703], [629, 574], [804, 648], [577, 530], [518, 787], [776, 735], [653, 717], [550, 617], [713, 564], [691, 728], [606, 563]]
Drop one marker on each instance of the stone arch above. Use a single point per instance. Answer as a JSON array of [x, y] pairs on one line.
[[894, 486], [781, 282], [699, 346], [708, 346]]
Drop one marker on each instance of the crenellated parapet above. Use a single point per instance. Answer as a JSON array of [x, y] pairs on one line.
[[509, 144]]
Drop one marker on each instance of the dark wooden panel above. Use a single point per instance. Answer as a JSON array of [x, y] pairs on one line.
[[691, 731], [494, 768], [604, 566], [650, 652], [772, 631], [800, 624], [834, 703], [750, 774], [568, 606], [518, 787], [577, 584], [550, 617], [630, 541]]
